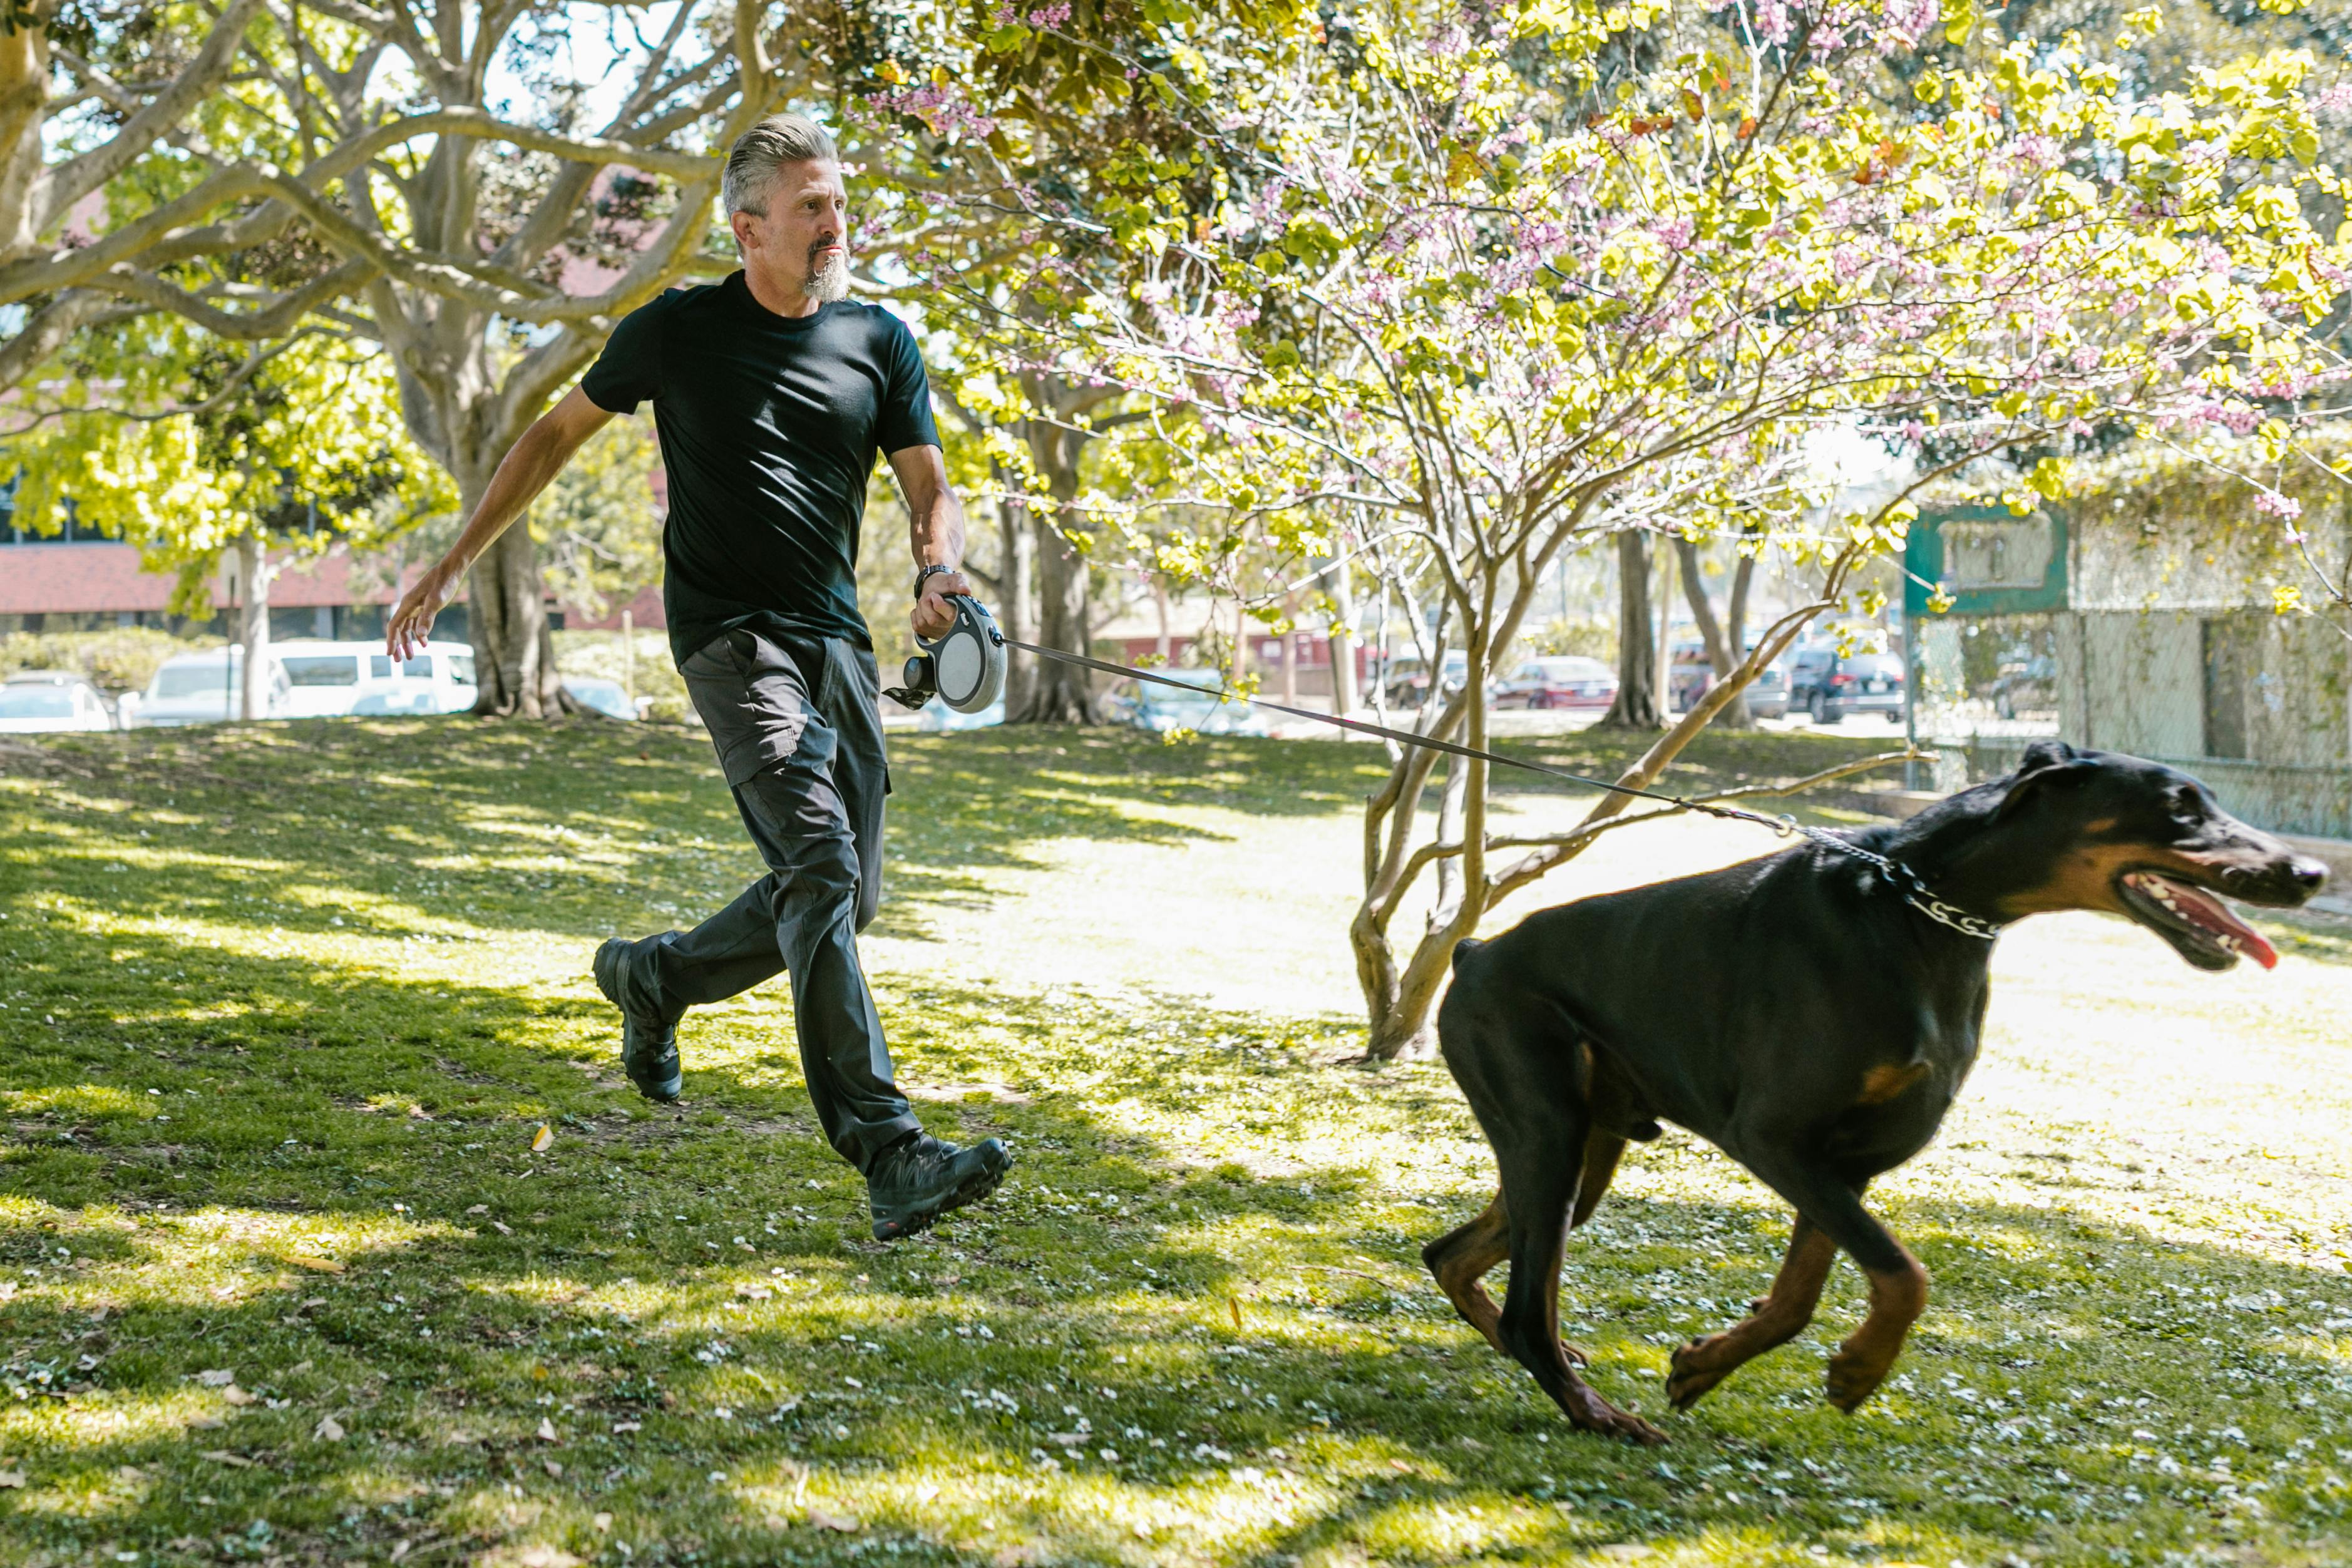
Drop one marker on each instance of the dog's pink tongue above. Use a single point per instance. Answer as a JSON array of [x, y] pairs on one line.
[[2219, 918]]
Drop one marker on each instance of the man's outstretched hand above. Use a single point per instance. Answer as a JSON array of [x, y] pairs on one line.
[[932, 614], [411, 618]]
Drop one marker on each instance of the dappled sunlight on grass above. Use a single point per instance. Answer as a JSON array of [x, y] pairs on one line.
[[1191, 1328]]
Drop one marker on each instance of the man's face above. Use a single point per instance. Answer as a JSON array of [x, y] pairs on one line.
[[803, 239]]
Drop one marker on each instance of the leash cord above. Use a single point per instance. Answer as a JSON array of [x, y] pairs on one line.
[[1912, 886]]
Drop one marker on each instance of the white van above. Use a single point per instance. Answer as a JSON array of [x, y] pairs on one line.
[[202, 688], [323, 678], [439, 678]]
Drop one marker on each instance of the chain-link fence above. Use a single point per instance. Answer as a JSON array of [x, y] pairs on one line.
[[2252, 703]]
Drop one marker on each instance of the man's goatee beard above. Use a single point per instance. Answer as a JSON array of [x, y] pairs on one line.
[[829, 280]]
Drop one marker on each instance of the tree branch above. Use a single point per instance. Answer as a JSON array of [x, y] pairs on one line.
[[77, 177]]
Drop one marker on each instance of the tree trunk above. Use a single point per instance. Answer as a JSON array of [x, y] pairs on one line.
[[1636, 705], [1402, 1013], [1290, 660], [253, 575], [1400, 1031], [1166, 645], [1743, 576], [1723, 653], [1343, 636], [506, 619], [1016, 579], [1448, 902], [1061, 694], [1664, 667], [24, 90]]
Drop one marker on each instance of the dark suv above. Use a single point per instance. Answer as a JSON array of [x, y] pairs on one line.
[[1829, 687]]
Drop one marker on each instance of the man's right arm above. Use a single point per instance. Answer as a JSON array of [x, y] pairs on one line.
[[528, 466]]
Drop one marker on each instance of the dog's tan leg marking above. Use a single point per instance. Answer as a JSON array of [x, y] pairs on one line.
[[1460, 1259], [1881, 1085], [1897, 1297], [1779, 1316]]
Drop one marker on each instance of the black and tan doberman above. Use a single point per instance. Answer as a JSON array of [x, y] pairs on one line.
[[1803, 1015]]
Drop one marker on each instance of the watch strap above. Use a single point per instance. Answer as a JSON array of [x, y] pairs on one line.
[[927, 573]]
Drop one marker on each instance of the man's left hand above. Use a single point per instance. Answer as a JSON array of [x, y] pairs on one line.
[[932, 614]]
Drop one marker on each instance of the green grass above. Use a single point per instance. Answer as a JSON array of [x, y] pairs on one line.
[[285, 1008]]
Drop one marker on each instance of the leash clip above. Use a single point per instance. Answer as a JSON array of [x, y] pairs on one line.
[[1784, 825]]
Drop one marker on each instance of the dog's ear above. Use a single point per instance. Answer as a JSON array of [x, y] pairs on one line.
[[2047, 764], [2045, 754]]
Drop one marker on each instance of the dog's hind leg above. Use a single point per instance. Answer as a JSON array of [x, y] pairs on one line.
[[1778, 1317], [1602, 1151], [1462, 1256], [1538, 1190], [1460, 1259]]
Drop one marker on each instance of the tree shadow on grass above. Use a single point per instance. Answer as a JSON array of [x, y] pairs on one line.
[[1145, 1329], [1205, 1244], [430, 829]]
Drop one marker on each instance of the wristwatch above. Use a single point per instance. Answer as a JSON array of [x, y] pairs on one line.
[[924, 576]]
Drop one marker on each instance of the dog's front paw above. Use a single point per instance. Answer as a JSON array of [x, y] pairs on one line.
[[1693, 1371], [1854, 1376]]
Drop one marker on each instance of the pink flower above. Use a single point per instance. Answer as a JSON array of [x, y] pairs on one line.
[[2278, 505]]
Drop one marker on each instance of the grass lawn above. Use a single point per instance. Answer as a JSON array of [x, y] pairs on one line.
[[283, 1277]]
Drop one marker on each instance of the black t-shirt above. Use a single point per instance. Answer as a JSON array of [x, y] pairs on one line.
[[769, 427]]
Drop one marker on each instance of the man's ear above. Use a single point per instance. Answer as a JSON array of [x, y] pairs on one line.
[[2047, 764]]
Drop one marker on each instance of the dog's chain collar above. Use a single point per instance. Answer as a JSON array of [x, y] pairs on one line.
[[1915, 889]]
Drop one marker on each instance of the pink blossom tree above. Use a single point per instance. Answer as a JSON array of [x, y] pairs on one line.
[[1447, 290]]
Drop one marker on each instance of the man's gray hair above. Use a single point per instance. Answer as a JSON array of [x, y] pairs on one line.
[[759, 152]]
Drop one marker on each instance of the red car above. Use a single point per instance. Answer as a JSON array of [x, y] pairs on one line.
[[1564, 682]]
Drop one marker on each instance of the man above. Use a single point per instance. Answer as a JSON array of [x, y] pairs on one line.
[[772, 392]]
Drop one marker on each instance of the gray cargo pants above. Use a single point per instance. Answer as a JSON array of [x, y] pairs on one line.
[[800, 739]]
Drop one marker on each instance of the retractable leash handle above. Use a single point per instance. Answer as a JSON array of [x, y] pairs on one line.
[[963, 666]]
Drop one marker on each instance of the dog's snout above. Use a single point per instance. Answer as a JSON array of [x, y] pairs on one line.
[[2308, 875]]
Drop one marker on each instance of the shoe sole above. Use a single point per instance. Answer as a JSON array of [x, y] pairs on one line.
[[973, 1191], [606, 969]]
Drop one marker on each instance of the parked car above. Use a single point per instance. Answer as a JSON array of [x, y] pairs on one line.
[[607, 697], [1829, 687], [1148, 705], [1563, 681], [1690, 672], [1406, 681], [436, 678], [323, 679], [50, 700], [203, 688]]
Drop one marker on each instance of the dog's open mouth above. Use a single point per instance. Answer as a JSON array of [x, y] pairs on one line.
[[2200, 928]]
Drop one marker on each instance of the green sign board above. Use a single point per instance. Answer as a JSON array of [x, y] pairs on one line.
[[1988, 559]]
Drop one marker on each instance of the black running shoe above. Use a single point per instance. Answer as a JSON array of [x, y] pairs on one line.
[[648, 1040], [918, 1179]]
